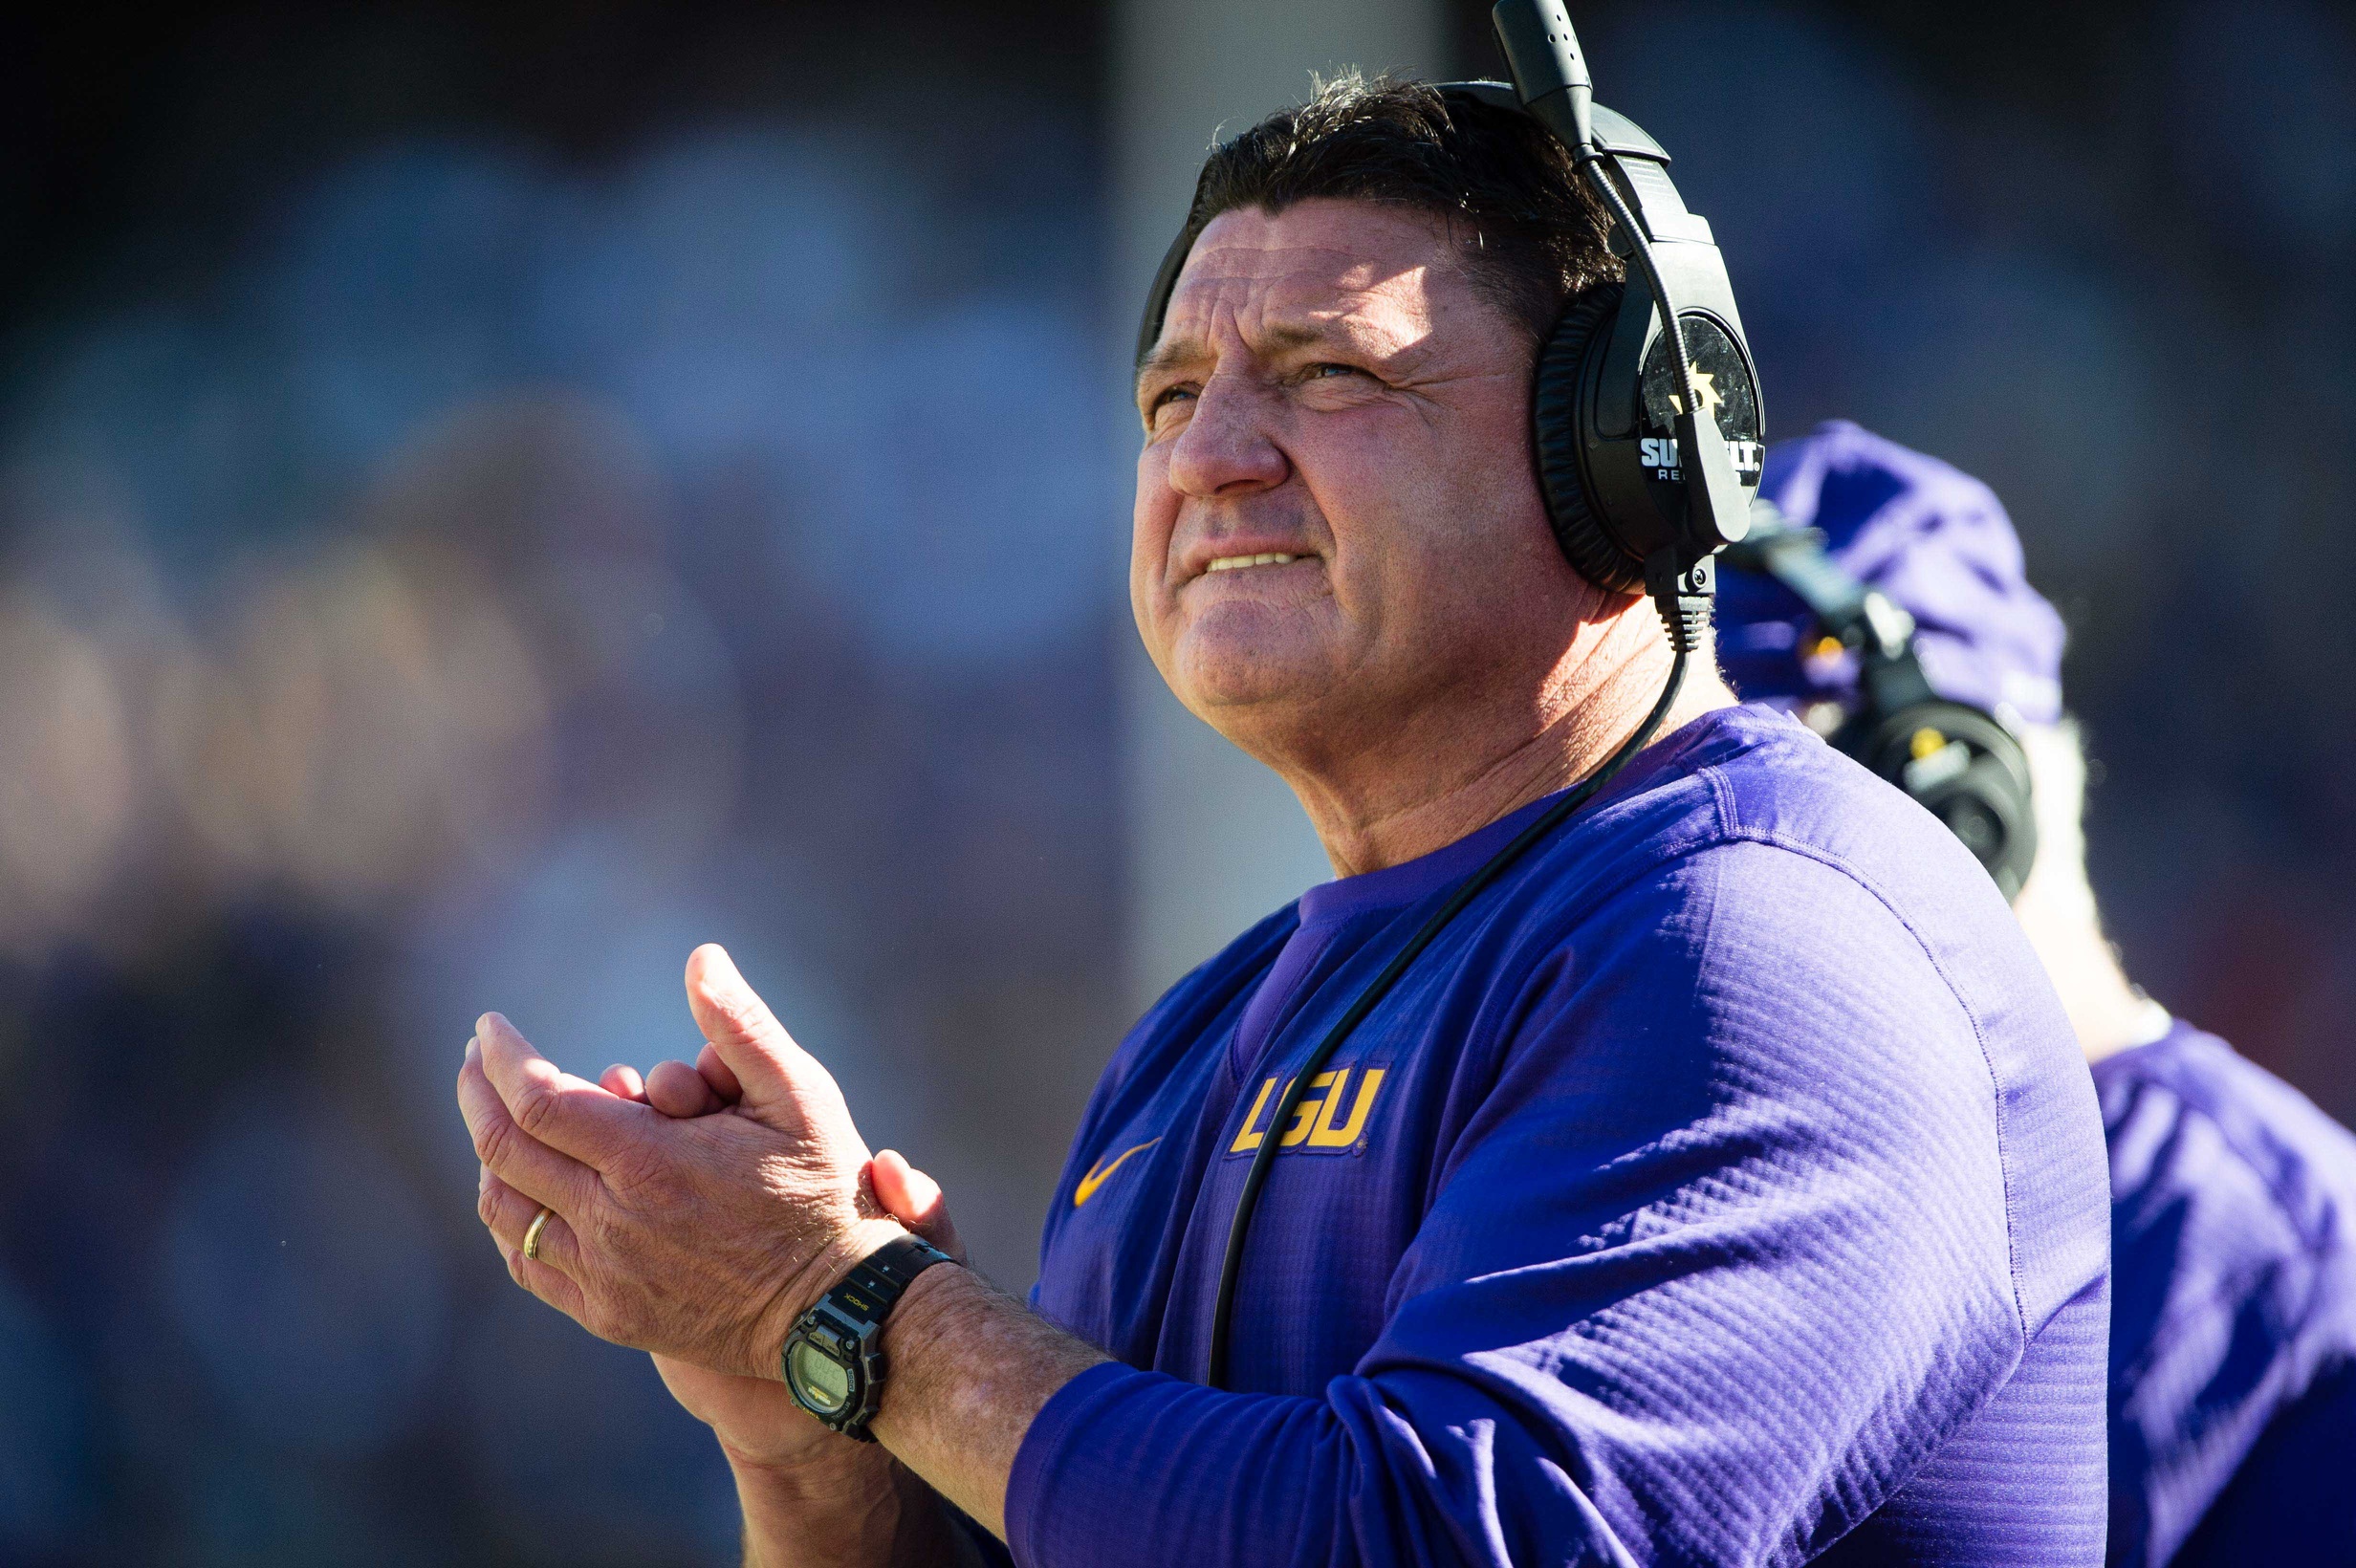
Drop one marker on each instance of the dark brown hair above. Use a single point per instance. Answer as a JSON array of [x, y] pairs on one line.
[[1531, 233]]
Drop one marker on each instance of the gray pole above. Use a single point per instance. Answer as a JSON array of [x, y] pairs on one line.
[[1215, 841]]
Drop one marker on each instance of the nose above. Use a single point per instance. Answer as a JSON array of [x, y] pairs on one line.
[[1226, 448]]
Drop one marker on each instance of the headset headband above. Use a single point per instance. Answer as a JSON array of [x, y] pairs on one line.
[[1614, 133]]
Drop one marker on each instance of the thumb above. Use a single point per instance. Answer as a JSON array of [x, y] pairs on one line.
[[740, 1027], [915, 1200]]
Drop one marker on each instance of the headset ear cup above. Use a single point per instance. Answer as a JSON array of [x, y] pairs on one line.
[[1556, 392], [1983, 808], [1986, 803]]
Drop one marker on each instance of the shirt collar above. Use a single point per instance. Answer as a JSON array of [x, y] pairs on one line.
[[1412, 880]]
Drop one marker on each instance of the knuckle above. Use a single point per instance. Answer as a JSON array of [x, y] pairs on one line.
[[533, 1109], [600, 1318], [749, 1015], [492, 1138], [594, 1230], [637, 1170], [622, 1246]]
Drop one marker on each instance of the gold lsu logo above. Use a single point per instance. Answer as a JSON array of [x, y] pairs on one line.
[[1319, 1121]]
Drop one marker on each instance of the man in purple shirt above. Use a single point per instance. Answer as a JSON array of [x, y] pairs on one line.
[[2232, 1339], [1721, 1186]]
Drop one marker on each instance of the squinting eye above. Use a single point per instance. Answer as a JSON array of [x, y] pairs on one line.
[[1319, 372], [1167, 397]]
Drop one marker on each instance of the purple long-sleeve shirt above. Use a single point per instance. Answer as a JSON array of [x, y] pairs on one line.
[[2233, 1326], [1723, 1185]]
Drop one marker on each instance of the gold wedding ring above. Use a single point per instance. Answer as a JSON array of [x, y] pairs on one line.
[[532, 1234]]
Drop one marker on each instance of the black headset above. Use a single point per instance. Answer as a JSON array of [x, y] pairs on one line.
[[1642, 492], [1958, 761], [1613, 403]]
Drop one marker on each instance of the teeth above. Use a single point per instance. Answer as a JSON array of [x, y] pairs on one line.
[[1236, 563]]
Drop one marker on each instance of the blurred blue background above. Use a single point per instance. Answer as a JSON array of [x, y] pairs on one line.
[[492, 497]]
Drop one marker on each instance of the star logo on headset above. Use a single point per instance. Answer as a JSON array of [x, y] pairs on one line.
[[1704, 385]]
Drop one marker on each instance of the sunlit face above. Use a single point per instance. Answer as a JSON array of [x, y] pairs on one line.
[[1335, 512]]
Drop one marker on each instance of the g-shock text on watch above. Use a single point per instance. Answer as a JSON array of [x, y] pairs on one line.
[[833, 1360]]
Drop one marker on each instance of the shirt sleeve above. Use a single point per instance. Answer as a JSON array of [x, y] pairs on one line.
[[1716, 1261], [2289, 1502], [2231, 1289]]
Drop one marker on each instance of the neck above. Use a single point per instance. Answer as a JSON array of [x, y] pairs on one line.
[[2104, 1008], [1434, 777], [2056, 906]]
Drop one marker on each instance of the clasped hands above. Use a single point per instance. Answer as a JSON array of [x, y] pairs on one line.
[[696, 1214]]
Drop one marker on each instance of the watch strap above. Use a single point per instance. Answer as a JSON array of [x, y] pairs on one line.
[[877, 1281]]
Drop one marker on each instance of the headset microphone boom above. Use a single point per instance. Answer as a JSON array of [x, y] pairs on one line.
[[1641, 489]]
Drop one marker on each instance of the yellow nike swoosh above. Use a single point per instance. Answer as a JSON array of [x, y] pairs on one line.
[[1101, 1172]]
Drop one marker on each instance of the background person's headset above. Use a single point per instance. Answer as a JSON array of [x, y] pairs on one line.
[[1958, 761], [1641, 490]]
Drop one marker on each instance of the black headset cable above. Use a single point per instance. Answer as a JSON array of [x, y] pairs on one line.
[[1550, 77], [1231, 1268], [1596, 166]]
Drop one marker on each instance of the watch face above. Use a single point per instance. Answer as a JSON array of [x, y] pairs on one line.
[[820, 1380]]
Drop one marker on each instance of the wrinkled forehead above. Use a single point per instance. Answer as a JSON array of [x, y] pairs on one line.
[[1318, 262]]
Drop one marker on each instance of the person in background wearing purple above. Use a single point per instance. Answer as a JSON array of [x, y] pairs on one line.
[[2233, 1330], [1722, 1185]]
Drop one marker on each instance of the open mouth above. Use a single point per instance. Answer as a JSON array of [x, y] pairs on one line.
[[1266, 557]]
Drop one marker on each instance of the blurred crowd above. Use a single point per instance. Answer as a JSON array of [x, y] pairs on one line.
[[497, 571], [504, 579]]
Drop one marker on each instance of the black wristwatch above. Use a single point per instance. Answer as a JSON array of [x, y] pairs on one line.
[[834, 1358]]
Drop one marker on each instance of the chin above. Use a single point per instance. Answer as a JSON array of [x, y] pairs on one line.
[[1213, 674], [1230, 654]]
